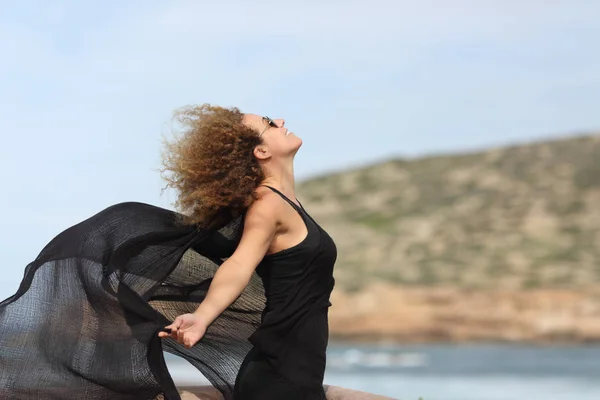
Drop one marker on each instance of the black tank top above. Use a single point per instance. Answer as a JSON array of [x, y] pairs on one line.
[[298, 282]]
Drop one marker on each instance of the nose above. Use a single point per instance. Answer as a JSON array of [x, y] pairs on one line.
[[280, 122]]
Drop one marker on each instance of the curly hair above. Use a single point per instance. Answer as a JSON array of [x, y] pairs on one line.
[[211, 165]]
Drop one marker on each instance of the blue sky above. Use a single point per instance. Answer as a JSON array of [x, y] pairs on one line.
[[87, 89]]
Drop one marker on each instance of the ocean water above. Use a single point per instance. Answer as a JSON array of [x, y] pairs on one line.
[[453, 372]]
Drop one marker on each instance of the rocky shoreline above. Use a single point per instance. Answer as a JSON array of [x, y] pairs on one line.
[[384, 312]]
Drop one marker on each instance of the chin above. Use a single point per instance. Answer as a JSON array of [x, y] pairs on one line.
[[296, 147], [293, 145], [298, 142]]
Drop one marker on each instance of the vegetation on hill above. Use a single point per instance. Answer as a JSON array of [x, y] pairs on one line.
[[519, 217]]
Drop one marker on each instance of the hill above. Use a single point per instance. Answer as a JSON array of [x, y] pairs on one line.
[[500, 245], [517, 217]]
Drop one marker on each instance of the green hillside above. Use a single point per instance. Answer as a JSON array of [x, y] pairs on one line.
[[517, 217]]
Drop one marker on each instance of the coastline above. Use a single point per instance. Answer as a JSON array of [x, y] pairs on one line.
[[384, 312]]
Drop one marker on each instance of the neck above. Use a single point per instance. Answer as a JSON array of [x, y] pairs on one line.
[[281, 179]]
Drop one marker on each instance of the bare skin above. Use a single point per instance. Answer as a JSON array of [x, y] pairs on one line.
[[270, 225]]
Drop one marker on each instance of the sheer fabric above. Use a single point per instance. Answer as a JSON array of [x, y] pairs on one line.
[[84, 321]]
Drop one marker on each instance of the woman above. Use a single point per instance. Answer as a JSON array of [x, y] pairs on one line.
[[243, 273], [291, 253]]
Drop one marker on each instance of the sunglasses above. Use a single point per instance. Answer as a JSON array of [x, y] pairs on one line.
[[270, 124]]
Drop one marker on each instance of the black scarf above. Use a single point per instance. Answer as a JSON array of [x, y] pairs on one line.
[[84, 321]]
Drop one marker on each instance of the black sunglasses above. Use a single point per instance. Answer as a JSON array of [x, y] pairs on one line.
[[270, 124]]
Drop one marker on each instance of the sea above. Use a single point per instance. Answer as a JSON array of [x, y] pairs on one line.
[[453, 372]]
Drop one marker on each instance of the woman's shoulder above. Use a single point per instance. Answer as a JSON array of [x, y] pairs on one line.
[[266, 202], [265, 197], [267, 206], [262, 191]]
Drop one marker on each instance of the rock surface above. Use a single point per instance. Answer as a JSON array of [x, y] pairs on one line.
[[333, 393], [387, 312]]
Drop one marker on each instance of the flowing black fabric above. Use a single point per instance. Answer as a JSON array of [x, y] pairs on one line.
[[84, 321]]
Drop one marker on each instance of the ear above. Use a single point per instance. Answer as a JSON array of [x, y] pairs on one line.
[[262, 152]]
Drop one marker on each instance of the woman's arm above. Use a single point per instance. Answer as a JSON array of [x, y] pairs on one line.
[[260, 226]]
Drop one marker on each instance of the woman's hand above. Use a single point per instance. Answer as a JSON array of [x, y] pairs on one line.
[[187, 329]]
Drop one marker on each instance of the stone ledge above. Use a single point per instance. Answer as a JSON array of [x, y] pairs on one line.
[[333, 393]]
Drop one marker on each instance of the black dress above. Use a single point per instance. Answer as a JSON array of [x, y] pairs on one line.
[[288, 357], [84, 322]]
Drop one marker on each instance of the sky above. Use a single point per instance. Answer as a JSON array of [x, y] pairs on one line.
[[87, 89]]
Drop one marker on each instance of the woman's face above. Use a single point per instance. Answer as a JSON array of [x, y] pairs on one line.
[[277, 139]]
